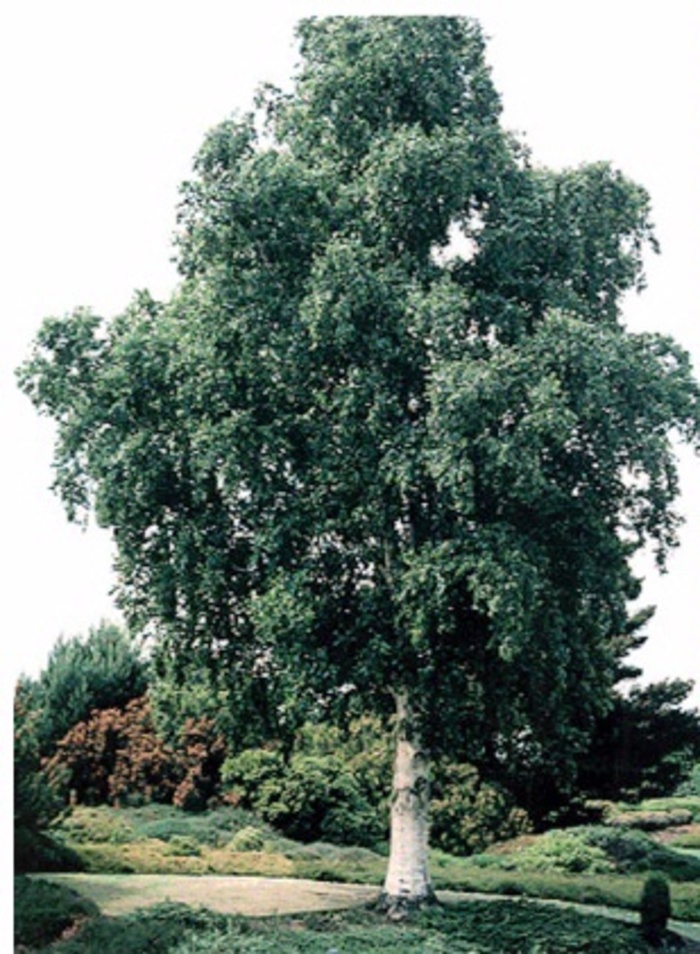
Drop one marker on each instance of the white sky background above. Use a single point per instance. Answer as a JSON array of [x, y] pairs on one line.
[[104, 105]]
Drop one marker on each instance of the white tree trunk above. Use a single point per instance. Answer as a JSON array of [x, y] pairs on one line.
[[407, 883]]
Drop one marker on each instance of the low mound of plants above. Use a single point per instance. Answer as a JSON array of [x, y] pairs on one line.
[[155, 930], [37, 851], [163, 839], [656, 814], [105, 825], [44, 911], [593, 849], [486, 927]]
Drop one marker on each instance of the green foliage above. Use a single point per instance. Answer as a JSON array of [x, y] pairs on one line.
[[318, 799], [691, 783], [101, 671], [248, 771], [497, 871], [685, 803], [645, 745], [36, 803], [478, 926], [101, 824], [245, 701], [349, 454], [44, 911], [633, 851], [163, 822], [154, 930], [655, 909], [309, 798], [656, 813], [652, 820], [487, 926], [467, 814], [182, 845], [564, 851], [248, 839], [333, 786], [594, 849]]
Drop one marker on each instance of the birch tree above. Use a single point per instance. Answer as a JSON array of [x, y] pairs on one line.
[[390, 433]]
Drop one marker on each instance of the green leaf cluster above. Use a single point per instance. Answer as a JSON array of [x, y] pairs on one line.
[[390, 431]]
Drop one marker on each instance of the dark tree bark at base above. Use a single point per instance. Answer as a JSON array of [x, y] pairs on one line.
[[398, 908]]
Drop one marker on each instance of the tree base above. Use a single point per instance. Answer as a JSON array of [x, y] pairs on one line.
[[400, 907]]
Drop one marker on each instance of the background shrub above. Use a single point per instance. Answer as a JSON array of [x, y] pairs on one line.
[[202, 753], [248, 839], [333, 787], [468, 814], [114, 755], [691, 784], [655, 908], [316, 799]]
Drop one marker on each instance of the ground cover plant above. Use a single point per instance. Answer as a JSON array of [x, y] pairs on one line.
[[590, 865], [43, 911], [474, 927]]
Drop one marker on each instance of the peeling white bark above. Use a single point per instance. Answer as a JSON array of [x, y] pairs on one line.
[[407, 883]]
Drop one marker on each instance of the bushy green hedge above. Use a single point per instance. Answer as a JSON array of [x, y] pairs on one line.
[[467, 814], [311, 798]]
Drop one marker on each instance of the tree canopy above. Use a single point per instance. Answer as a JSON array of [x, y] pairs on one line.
[[390, 432], [99, 671]]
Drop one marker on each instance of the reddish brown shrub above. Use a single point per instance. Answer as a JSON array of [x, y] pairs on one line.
[[203, 752], [116, 755]]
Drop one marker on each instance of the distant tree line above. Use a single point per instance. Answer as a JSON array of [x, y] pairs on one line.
[[103, 725]]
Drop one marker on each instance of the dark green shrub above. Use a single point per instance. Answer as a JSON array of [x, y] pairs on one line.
[[311, 797], [36, 803], [245, 773], [632, 851], [155, 930], [44, 911], [655, 908], [467, 814], [317, 799], [37, 851]]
